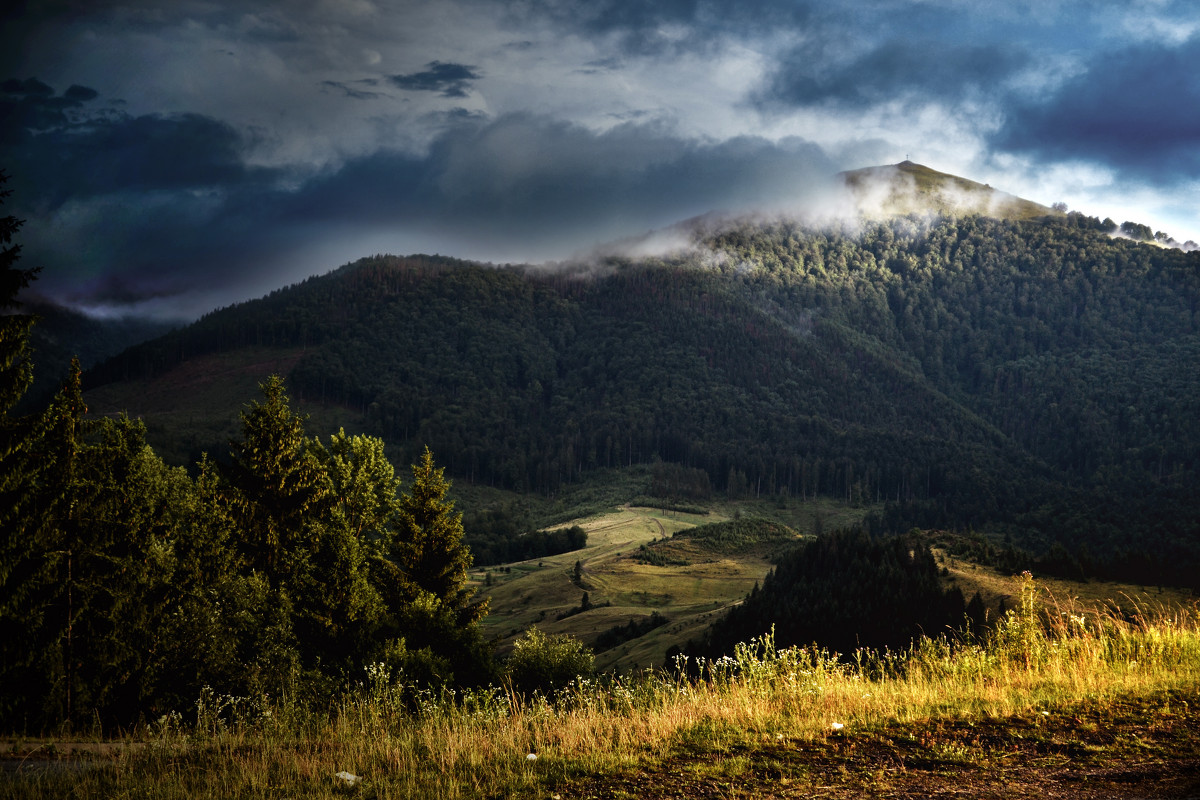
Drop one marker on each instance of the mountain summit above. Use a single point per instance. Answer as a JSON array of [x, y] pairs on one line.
[[910, 188]]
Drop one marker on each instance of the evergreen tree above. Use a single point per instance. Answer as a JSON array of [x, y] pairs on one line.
[[210, 623], [42, 545], [277, 488], [365, 488], [429, 542], [126, 512], [18, 468], [310, 518]]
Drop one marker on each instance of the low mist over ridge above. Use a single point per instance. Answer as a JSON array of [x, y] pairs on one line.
[[1020, 375], [172, 161]]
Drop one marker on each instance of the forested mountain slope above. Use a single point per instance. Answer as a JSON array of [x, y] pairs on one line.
[[62, 334], [1035, 376]]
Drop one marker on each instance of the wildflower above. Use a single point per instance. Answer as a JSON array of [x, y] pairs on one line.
[[779, 737]]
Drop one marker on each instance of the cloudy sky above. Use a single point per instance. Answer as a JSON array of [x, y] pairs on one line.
[[171, 157]]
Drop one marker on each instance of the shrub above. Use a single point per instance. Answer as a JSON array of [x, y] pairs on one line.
[[546, 663]]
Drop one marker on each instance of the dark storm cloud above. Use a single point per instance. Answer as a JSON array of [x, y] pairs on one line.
[[28, 105], [364, 142], [30, 87], [896, 69], [517, 184], [670, 26], [126, 154], [80, 94], [130, 247], [155, 202], [451, 80], [1137, 109], [523, 176]]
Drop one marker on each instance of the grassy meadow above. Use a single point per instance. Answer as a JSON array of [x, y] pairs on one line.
[[1032, 673], [690, 593]]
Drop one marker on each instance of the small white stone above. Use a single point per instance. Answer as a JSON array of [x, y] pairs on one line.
[[349, 778], [531, 757], [837, 726]]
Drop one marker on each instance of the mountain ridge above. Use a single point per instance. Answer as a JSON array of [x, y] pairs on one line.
[[908, 188], [969, 371]]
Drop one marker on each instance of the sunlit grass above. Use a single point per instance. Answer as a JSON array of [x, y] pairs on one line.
[[407, 743]]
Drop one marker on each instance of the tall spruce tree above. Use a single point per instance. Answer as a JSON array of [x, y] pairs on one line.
[[430, 542], [278, 487], [44, 544], [25, 573], [18, 470]]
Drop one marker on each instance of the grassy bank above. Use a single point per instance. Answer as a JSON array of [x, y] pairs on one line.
[[1042, 658]]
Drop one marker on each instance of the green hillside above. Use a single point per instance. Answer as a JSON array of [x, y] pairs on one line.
[[1031, 377], [908, 188], [62, 334], [780, 435], [687, 569]]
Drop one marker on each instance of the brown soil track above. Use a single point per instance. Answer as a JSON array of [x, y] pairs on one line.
[[1138, 748]]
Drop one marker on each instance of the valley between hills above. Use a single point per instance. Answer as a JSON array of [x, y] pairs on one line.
[[900, 504]]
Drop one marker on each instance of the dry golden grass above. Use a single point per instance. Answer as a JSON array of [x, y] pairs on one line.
[[1040, 658], [995, 585]]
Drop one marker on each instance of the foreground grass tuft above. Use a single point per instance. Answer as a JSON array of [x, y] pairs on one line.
[[1045, 677]]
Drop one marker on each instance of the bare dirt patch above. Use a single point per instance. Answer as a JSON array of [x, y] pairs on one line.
[[1136, 748]]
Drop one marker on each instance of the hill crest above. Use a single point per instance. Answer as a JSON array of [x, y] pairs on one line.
[[911, 188]]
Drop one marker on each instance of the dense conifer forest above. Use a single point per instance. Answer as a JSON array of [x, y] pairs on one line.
[[845, 591], [130, 588], [1031, 378]]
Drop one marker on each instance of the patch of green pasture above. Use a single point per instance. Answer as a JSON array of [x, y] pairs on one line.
[[620, 588]]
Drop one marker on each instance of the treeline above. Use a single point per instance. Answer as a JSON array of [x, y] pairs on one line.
[[1158, 561], [1025, 376], [845, 591], [129, 585], [634, 629], [737, 535], [504, 532], [489, 548]]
